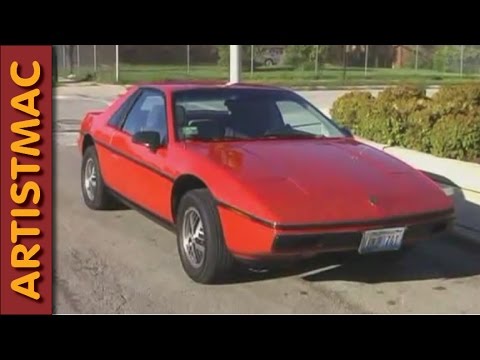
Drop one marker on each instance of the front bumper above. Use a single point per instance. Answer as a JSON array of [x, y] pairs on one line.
[[248, 238], [328, 242]]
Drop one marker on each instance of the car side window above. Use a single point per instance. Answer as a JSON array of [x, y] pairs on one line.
[[119, 115], [147, 114]]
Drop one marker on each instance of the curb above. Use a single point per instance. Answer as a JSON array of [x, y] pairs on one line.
[[292, 87], [352, 87]]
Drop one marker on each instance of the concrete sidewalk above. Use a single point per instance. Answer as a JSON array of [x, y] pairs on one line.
[[90, 90]]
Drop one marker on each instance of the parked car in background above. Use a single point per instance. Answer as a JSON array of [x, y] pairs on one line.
[[271, 56]]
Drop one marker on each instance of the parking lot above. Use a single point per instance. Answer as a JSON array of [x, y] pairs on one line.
[[121, 262]]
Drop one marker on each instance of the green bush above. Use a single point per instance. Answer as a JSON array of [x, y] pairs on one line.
[[392, 125], [381, 124], [351, 108], [417, 134], [407, 113], [403, 92], [457, 137], [457, 99], [384, 119], [446, 125]]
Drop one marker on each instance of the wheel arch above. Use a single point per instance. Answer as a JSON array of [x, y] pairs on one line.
[[87, 142], [182, 185]]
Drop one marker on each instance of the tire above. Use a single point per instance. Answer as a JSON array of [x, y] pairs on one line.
[[269, 62], [99, 198], [216, 262]]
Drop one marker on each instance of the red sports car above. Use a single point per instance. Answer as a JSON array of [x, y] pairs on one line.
[[252, 173]]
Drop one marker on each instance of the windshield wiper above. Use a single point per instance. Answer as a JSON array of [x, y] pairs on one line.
[[291, 135], [305, 125], [215, 139]]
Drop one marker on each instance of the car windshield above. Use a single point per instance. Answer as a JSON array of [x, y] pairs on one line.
[[231, 113]]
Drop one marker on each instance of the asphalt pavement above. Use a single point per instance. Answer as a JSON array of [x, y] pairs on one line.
[[121, 262]]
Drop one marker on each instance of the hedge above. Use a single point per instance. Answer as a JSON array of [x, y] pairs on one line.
[[446, 124]]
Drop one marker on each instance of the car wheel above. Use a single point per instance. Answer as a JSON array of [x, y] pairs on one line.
[[269, 62], [95, 194], [203, 253]]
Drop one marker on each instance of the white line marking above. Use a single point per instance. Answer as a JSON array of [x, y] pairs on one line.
[[80, 98], [319, 271], [65, 139]]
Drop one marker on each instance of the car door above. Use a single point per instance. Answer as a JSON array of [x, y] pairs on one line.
[[144, 178], [107, 156]]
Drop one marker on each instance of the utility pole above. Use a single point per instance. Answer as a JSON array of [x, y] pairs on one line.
[[462, 49], [366, 60], [117, 64], [95, 59], [188, 59], [416, 57], [235, 63]]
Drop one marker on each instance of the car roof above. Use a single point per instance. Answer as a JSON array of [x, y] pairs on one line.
[[173, 86]]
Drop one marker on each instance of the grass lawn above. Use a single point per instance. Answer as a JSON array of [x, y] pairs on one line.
[[328, 76]]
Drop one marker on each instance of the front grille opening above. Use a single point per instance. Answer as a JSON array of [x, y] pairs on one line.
[[324, 241], [289, 243], [440, 227]]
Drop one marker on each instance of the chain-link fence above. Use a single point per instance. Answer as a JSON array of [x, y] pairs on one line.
[[285, 64], [87, 62]]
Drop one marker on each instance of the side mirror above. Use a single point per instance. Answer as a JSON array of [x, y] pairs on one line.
[[150, 139], [347, 132]]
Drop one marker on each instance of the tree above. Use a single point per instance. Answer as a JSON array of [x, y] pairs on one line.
[[304, 56], [224, 54], [448, 58]]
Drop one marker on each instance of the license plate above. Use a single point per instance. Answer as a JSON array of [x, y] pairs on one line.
[[381, 240]]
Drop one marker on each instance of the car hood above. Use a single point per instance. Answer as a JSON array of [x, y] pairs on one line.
[[302, 181]]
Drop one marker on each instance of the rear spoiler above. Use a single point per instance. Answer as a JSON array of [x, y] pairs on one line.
[[94, 113], [88, 119]]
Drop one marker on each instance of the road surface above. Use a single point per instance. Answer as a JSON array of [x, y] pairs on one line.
[[121, 262]]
